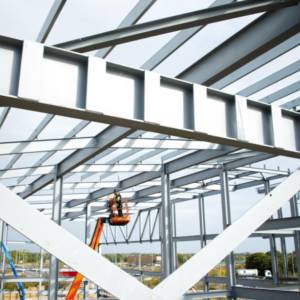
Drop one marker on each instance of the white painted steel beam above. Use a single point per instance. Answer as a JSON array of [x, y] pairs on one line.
[[273, 78], [189, 273], [260, 61], [264, 294], [4, 115], [177, 41], [50, 20], [292, 104], [173, 166], [131, 19], [106, 139], [195, 106], [282, 93], [68, 249], [85, 143], [188, 20], [245, 46]]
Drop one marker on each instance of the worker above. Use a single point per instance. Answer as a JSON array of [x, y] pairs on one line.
[[119, 204]]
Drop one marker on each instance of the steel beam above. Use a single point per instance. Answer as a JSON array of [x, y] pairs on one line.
[[281, 93], [203, 243], [292, 104], [85, 143], [106, 139], [167, 251], [4, 115], [50, 20], [269, 80], [260, 61], [295, 213], [264, 294], [69, 249], [244, 46], [226, 216], [56, 218], [177, 41], [162, 26], [189, 273], [131, 19], [193, 121]]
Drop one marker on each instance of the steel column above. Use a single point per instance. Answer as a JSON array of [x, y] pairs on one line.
[[56, 217], [4, 241], [1, 239], [174, 243], [167, 266], [202, 235], [230, 271], [40, 275], [283, 249], [295, 213], [274, 259], [88, 223]]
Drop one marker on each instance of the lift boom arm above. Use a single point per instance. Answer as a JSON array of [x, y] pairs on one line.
[[94, 244]]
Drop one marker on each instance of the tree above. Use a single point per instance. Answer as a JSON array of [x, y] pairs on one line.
[[292, 263], [181, 259], [259, 261]]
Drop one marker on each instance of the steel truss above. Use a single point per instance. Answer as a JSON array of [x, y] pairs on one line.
[[206, 138]]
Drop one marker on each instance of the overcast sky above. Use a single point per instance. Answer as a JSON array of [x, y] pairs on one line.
[[23, 19]]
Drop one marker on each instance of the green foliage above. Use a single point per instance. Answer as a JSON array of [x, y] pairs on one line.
[[153, 282], [259, 261], [292, 263]]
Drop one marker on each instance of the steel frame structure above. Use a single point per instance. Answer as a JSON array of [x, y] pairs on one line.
[[208, 142]]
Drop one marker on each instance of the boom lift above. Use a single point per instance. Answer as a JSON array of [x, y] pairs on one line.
[[113, 220]]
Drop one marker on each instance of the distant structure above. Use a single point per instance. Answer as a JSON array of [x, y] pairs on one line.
[[158, 140], [145, 260]]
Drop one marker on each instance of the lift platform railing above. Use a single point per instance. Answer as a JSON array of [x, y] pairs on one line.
[[116, 218]]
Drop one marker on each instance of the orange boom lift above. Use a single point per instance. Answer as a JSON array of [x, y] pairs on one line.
[[113, 220]]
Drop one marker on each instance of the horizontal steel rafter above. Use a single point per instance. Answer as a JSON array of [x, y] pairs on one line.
[[291, 104], [193, 122], [264, 294], [109, 136], [85, 143], [131, 19], [145, 30], [50, 20], [244, 47], [177, 41], [275, 77]]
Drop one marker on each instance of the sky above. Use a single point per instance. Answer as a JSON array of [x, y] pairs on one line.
[[23, 19]]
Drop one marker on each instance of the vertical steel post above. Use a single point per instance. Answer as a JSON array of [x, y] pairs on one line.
[[202, 235], [4, 240], [283, 249], [274, 260], [230, 270], [56, 217], [88, 222], [295, 213], [1, 239], [166, 224], [41, 273], [174, 235]]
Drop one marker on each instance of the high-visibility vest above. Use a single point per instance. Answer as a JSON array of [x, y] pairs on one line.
[[118, 200]]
